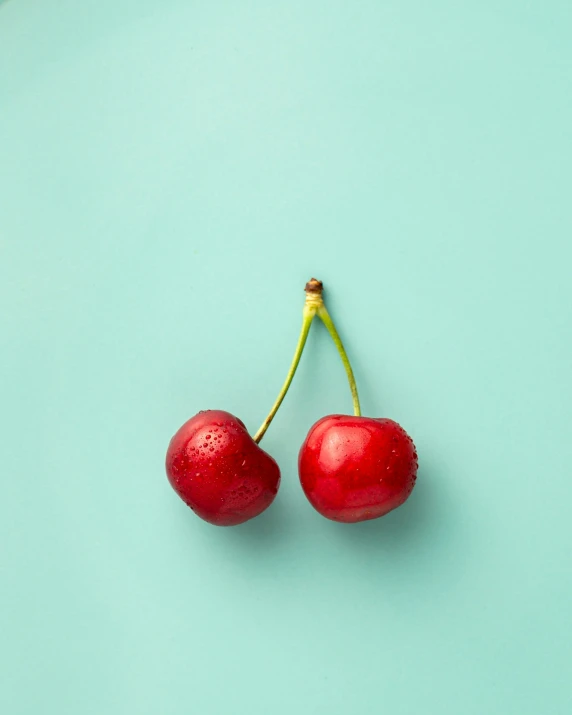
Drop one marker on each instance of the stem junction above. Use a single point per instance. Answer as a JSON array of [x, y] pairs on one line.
[[314, 306]]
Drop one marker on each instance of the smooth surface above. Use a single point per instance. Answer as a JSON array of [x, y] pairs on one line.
[[172, 175], [355, 468]]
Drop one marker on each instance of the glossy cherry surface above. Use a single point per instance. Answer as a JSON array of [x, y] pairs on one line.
[[357, 468], [215, 466]]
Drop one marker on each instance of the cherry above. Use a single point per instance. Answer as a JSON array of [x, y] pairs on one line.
[[217, 468], [354, 468]]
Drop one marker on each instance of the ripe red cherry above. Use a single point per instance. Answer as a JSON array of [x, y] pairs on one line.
[[216, 467], [357, 468]]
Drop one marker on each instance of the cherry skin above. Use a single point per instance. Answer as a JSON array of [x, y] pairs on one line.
[[357, 468], [216, 467]]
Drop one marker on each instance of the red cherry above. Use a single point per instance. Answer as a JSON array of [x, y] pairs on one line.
[[216, 467], [357, 468]]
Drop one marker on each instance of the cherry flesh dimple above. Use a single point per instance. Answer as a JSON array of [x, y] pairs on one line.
[[357, 468], [215, 466]]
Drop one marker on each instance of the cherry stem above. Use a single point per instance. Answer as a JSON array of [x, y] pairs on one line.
[[329, 323], [307, 317], [314, 306]]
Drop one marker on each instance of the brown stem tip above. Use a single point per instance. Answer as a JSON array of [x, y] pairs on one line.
[[314, 286]]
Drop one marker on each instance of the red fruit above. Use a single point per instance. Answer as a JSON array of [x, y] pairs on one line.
[[215, 466], [357, 468]]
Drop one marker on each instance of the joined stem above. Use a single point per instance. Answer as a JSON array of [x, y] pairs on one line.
[[313, 306]]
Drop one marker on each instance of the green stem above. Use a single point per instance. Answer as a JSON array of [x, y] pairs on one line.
[[314, 306], [329, 323], [308, 315]]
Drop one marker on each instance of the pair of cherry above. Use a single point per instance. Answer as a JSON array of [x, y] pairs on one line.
[[352, 468]]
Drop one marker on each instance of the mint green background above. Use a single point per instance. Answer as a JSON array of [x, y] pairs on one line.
[[172, 174]]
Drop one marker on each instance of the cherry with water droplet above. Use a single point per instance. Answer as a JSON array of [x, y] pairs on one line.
[[238, 479], [227, 493], [350, 469], [354, 468]]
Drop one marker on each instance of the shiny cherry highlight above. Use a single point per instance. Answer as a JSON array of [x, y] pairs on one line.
[[355, 468]]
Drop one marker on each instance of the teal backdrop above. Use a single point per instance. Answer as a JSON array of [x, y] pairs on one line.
[[172, 174]]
